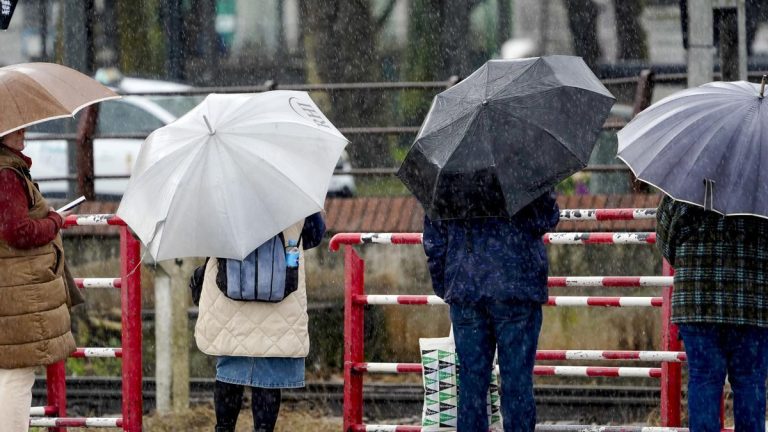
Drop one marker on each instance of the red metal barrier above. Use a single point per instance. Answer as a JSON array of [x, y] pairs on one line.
[[130, 285], [671, 373], [355, 300], [354, 270], [130, 263]]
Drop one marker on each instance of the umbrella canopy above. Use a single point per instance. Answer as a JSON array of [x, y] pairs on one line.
[[500, 138], [705, 146], [32, 93], [230, 174]]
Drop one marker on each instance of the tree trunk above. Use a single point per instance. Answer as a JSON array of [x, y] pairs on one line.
[[504, 11], [141, 50], [454, 40], [340, 44], [174, 47], [423, 50], [423, 60], [78, 35], [582, 19], [202, 46], [629, 31]]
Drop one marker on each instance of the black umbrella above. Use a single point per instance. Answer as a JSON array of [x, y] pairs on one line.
[[500, 138], [7, 7]]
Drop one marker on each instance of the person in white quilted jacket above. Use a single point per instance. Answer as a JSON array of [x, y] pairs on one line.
[[259, 345]]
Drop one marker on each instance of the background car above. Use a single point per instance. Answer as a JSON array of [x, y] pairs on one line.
[[342, 185]]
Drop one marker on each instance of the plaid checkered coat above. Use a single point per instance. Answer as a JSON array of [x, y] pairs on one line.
[[721, 264]]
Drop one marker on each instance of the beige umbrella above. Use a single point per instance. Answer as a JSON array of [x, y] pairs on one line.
[[31, 93]]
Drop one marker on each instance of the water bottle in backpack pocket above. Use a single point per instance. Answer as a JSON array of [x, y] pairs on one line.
[[268, 274]]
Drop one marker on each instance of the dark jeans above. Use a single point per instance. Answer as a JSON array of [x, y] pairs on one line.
[[228, 400], [480, 329], [715, 350]]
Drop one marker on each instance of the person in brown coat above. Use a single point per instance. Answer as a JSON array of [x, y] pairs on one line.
[[34, 313]]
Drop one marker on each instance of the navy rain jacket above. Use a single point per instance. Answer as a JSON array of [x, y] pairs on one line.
[[500, 259]]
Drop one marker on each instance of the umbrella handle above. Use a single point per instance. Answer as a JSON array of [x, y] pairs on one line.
[[762, 86], [210, 129], [709, 194]]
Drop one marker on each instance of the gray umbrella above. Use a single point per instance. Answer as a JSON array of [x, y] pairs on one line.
[[500, 138], [705, 146]]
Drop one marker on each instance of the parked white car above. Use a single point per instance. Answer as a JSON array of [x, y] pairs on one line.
[[115, 157], [342, 185], [129, 115]]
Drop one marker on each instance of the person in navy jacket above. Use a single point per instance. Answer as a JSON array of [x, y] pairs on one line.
[[493, 274]]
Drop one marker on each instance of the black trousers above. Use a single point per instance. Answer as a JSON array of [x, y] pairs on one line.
[[228, 400]]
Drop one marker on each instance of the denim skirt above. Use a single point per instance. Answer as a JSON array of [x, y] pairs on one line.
[[264, 372]]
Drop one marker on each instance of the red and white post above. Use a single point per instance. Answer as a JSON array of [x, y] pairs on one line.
[[354, 320], [671, 376], [130, 274]]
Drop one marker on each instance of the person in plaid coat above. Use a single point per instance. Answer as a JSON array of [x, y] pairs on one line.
[[719, 303]]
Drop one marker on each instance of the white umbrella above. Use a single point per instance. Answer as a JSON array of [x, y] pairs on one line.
[[230, 174]]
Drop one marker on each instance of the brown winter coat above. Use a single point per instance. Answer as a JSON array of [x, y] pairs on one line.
[[34, 317]]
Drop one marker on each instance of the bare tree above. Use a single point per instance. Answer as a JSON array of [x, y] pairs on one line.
[[503, 11], [201, 41], [340, 45], [438, 46], [629, 31], [582, 19]]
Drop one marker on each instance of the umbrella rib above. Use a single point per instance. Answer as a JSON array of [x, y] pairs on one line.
[[42, 88], [18, 109], [67, 84], [666, 192], [164, 218], [712, 129], [231, 234], [434, 187], [463, 114], [525, 120], [289, 181], [547, 91], [699, 154], [281, 174], [485, 87], [523, 72]]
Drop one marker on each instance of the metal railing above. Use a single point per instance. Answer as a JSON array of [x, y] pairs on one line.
[[86, 133], [670, 355]]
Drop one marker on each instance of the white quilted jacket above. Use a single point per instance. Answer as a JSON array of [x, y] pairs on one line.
[[253, 329]]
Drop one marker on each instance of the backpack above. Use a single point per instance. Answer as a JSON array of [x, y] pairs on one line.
[[264, 275]]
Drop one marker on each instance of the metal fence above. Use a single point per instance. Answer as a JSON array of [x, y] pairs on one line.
[[83, 139]]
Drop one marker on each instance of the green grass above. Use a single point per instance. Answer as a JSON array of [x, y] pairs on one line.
[[392, 186], [380, 186]]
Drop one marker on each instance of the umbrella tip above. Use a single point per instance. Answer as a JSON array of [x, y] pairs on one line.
[[485, 102], [210, 129], [762, 86]]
